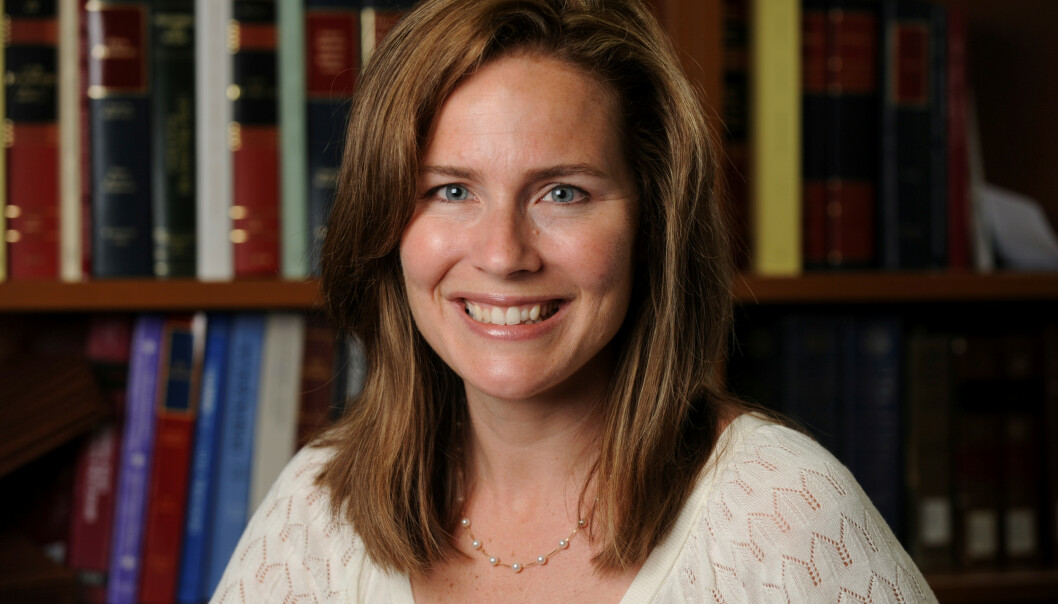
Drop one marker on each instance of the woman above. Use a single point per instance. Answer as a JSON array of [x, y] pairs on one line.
[[528, 242]]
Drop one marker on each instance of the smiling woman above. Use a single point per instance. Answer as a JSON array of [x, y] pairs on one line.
[[528, 242]]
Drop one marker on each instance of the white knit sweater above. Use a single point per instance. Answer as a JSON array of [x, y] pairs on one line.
[[774, 518]]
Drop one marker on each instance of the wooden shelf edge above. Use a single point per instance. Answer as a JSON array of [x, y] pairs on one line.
[[876, 287], [982, 587], [136, 295]]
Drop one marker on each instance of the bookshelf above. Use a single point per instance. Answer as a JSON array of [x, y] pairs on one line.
[[748, 290]]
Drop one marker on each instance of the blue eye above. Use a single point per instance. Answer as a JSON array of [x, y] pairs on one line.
[[455, 193], [564, 194]]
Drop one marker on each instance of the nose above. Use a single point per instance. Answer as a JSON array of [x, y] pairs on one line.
[[506, 242]]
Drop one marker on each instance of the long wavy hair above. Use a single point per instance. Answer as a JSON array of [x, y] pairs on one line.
[[396, 465]]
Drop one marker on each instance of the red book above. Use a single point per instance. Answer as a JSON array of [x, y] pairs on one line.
[[958, 146], [32, 140], [317, 378], [91, 521], [254, 141], [180, 366]]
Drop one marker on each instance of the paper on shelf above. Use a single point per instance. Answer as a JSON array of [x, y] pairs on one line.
[[1024, 239]]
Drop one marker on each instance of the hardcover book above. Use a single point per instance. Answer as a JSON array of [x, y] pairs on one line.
[[119, 103], [31, 139]]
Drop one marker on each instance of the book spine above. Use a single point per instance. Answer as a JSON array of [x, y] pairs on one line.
[[332, 62], [136, 452], [177, 407], [814, 50], [85, 146], [317, 379], [31, 139], [173, 138], [118, 89], [231, 487], [294, 155], [91, 521], [735, 130], [775, 118], [1050, 418], [878, 438], [277, 414], [929, 449], [191, 588], [811, 351], [911, 170], [3, 163], [958, 152], [254, 140], [71, 227], [213, 170], [851, 128]]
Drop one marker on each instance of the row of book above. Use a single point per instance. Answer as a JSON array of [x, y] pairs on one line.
[[206, 410], [878, 138], [175, 138], [948, 432]]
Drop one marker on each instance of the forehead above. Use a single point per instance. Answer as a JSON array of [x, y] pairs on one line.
[[532, 99]]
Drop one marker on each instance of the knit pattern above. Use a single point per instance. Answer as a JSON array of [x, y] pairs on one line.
[[775, 518]]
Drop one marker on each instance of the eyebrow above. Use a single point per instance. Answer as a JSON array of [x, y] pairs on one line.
[[557, 171]]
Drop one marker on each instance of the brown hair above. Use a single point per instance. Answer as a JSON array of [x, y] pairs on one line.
[[396, 462]]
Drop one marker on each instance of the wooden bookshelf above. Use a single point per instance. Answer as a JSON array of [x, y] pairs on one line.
[[987, 587], [821, 288]]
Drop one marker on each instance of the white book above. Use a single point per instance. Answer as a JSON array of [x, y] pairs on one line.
[[275, 430], [294, 161], [213, 115], [71, 250]]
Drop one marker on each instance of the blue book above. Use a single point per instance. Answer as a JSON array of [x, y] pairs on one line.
[[875, 397], [191, 584], [137, 448], [231, 485], [810, 366]]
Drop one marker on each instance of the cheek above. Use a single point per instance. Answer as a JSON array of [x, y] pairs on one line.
[[425, 254]]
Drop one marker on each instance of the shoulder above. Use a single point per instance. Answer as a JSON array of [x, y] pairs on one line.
[[294, 543], [783, 519]]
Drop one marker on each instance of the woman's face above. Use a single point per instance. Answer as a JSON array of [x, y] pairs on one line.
[[518, 258]]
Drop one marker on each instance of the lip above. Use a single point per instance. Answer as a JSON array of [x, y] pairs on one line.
[[509, 332]]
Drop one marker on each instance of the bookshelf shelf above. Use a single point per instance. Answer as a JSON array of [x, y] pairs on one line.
[[994, 586], [823, 288], [143, 296], [875, 287]]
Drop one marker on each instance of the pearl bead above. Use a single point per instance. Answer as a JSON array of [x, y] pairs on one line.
[[475, 544], [494, 560], [465, 522], [516, 567], [582, 522], [541, 560], [564, 543]]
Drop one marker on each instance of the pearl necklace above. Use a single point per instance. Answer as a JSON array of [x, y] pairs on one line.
[[518, 567]]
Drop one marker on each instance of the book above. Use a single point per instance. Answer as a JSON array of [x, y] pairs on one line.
[[1050, 425], [31, 139], [291, 27], [377, 18], [91, 521], [231, 479], [176, 408], [913, 201], [840, 126], [332, 62], [71, 165], [3, 168], [119, 104], [254, 140], [137, 446], [928, 449], [875, 403], [735, 130], [775, 134], [811, 348], [317, 378], [275, 428], [213, 115], [172, 136], [958, 151], [191, 587]]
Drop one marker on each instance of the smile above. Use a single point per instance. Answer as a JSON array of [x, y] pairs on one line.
[[512, 315]]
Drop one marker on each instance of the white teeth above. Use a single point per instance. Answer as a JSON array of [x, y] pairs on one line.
[[512, 315]]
